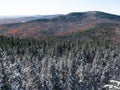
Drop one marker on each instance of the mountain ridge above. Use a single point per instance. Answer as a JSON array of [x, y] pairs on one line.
[[60, 25]]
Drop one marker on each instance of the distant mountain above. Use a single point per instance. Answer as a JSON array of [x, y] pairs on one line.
[[22, 19], [64, 25]]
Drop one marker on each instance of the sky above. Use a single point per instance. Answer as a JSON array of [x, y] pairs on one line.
[[49, 7]]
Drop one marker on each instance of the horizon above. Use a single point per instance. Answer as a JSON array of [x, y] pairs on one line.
[[40, 7], [17, 16]]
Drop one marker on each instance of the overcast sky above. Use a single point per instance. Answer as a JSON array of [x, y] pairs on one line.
[[46, 7]]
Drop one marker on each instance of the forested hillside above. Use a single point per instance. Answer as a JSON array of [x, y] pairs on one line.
[[62, 25], [73, 63], [78, 51]]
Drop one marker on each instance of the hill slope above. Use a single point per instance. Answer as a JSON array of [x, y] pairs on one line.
[[78, 53], [62, 25]]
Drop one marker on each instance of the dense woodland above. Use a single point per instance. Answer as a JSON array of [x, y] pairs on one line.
[[78, 51], [60, 63]]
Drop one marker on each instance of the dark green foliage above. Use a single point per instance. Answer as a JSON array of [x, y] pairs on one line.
[[91, 53], [109, 16]]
